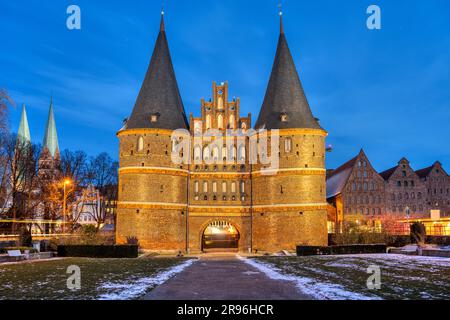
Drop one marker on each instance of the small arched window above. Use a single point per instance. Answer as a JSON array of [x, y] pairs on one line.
[[233, 152], [197, 153], [242, 153], [215, 187], [205, 186], [216, 153], [208, 122], [220, 121], [206, 153], [224, 153], [232, 121], [288, 145], [198, 127], [233, 187], [220, 103], [242, 186], [196, 186], [140, 144]]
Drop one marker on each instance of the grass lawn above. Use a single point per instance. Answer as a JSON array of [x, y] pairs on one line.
[[117, 279], [345, 277]]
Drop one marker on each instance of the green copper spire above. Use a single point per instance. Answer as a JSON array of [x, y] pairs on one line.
[[51, 137], [23, 135]]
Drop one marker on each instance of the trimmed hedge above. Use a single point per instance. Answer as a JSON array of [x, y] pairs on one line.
[[336, 250], [93, 251]]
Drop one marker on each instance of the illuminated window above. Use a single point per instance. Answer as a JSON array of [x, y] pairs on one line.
[[198, 127], [140, 144], [216, 153], [288, 145], [233, 187], [242, 187], [224, 187], [224, 153], [232, 122], [233, 152], [220, 121], [208, 122], [197, 153], [215, 187], [205, 186], [196, 186], [154, 118], [206, 153], [242, 153]]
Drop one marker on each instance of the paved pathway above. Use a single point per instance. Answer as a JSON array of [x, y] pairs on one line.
[[224, 278]]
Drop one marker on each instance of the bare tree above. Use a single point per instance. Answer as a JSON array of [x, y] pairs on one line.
[[5, 100], [102, 175], [19, 180]]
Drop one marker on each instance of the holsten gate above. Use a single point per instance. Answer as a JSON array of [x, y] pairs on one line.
[[220, 199]]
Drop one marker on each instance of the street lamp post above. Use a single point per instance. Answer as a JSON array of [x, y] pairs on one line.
[[66, 183]]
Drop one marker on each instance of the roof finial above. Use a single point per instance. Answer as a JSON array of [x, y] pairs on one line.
[[162, 28], [280, 12]]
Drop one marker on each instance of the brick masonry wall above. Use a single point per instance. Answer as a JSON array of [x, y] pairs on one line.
[[153, 195]]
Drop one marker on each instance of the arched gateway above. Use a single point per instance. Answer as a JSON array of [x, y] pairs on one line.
[[220, 235]]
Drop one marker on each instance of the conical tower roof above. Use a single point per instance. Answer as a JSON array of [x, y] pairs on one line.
[[159, 96], [51, 136], [23, 134], [285, 105]]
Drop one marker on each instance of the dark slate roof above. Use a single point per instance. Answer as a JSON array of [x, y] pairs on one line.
[[285, 95], [422, 173], [159, 94], [338, 178], [388, 173]]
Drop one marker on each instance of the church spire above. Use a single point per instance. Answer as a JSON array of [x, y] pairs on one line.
[[285, 105], [159, 103], [23, 134], [51, 137]]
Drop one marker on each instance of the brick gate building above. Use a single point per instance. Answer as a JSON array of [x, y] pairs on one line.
[[220, 199]]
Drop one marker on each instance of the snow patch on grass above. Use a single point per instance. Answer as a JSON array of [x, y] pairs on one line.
[[134, 288], [311, 287]]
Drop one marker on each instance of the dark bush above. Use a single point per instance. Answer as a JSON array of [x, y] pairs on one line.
[[25, 239], [92, 251], [418, 233], [133, 241]]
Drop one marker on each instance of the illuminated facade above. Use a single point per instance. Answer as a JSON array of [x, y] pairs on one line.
[[220, 199]]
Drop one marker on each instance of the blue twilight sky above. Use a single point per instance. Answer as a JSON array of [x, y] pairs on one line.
[[387, 91]]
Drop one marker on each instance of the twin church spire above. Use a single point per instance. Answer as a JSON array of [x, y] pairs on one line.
[[50, 143], [159, 104]]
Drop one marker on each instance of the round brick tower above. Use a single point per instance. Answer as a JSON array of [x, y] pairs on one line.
[[152, 189], [289, 202]]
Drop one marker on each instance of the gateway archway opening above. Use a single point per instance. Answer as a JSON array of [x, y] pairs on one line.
[[220, 235]]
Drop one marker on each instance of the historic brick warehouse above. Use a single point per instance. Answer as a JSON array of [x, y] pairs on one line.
[[357, 192], [215, 205]]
